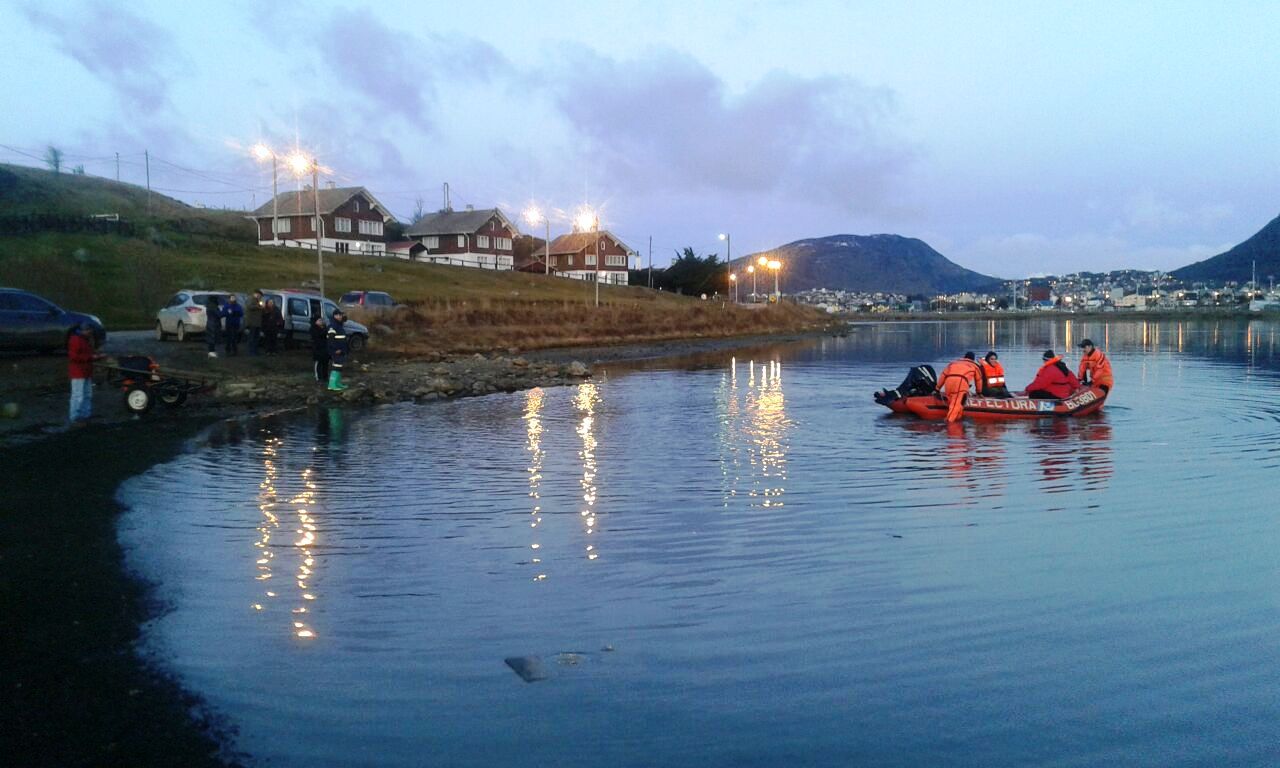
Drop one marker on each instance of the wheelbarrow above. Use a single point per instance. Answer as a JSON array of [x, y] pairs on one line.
[[142, 382]]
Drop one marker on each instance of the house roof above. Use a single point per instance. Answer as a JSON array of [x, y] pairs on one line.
[[303, 203], [457, 222], [404, 245], [574, 242]]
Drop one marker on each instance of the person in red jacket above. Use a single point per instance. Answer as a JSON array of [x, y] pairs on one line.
[[1054, 380], [80, 357]]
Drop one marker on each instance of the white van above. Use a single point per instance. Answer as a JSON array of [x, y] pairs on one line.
[[299, 307]]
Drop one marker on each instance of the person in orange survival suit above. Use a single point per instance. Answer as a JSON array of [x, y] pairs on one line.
[[993, 384], [954, 383], [1095, 367]]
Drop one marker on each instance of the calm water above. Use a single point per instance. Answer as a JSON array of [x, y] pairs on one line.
[[742, 561]]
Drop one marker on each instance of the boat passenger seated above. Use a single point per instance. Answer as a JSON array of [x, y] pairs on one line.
[[993, 384], [1054, 380], [920, 380]]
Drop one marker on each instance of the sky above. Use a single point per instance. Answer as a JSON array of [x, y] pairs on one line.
[[1016, 138]]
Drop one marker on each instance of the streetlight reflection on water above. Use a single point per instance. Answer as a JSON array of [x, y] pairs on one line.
[[755, 416], [304, 545], [585, 401]]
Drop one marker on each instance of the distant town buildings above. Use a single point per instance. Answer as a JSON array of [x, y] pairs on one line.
[[1119, 291]]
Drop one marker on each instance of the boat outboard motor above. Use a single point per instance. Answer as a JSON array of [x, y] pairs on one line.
[[920, 380]]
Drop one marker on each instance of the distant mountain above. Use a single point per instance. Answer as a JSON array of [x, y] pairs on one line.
[[870, 263], [1237, 263]]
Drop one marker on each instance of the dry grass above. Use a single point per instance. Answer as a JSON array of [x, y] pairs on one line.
[[483, 325]]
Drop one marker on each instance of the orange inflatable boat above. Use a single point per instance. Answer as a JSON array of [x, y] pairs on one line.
[[916, 396]]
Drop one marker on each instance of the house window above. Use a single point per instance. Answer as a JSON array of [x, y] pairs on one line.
[[355, 205], [315, 227], [368, 227], [341, 224], [570, 257], [431, 242], [482, 241], [591, 259], [462, 241], [503, 243], [284, 226], [615, 260]]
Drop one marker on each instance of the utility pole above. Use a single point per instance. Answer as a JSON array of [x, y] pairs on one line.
[[650, 261], [146, 154], [117, 167], [275, 205], [546, 249], [595, 227], [315, 193]]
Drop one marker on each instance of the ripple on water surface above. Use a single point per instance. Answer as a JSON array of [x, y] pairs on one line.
[[743, 561]]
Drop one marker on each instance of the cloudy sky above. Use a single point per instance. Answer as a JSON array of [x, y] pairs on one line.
[[1016, 138]]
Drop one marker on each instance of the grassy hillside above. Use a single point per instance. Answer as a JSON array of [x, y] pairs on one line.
[[26, 191], [125, 280]]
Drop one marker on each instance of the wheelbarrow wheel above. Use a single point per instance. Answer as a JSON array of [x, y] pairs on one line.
[[172, 399], [138, 399]]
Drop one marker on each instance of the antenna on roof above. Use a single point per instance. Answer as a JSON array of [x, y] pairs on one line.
[[447, 206]]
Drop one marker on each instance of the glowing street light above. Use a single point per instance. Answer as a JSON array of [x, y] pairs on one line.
[[534, 216], [774, 265]]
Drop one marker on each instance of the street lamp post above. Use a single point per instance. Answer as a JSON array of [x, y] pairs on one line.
[[751, 269], [263, 152], [775, 265], [595, 229], [728, 254], [300, 164], [734, 279], [533, 215]]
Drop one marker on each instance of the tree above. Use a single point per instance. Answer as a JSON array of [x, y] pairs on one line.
[[689, 273], [53, 159], [418, 208], [78, 170]]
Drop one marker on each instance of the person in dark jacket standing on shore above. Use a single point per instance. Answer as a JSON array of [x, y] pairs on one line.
[[80, 357], [338, 349], [232, 316], [253, 321], [320, 349], [212, 323], [272, 324]]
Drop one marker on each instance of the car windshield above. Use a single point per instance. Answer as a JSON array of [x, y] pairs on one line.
[[350, 298]]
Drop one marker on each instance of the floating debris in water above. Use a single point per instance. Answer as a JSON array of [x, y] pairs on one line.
[[529, 668]]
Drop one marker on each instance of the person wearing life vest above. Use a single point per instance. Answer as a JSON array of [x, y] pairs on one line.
[[338, 349], [1054, 380], [1095, 367], [954, 383], [993, 384]]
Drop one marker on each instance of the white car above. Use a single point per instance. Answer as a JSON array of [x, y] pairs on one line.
[[184, 315]]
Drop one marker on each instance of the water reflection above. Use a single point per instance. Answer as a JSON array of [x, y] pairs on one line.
[[587, 399], [767, 432], [1067, 450], [533, 401]]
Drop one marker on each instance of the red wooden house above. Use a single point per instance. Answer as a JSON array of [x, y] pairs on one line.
[[590, 256], [467, 238], [351, 220]]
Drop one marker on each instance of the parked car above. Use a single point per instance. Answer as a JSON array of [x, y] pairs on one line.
[[184, 315], [299, 307], [29, 322], [370, 301]]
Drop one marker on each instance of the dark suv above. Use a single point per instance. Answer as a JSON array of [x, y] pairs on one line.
[[29, 322]]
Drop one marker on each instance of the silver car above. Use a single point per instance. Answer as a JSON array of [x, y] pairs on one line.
[[184, 315], [298, 309]]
